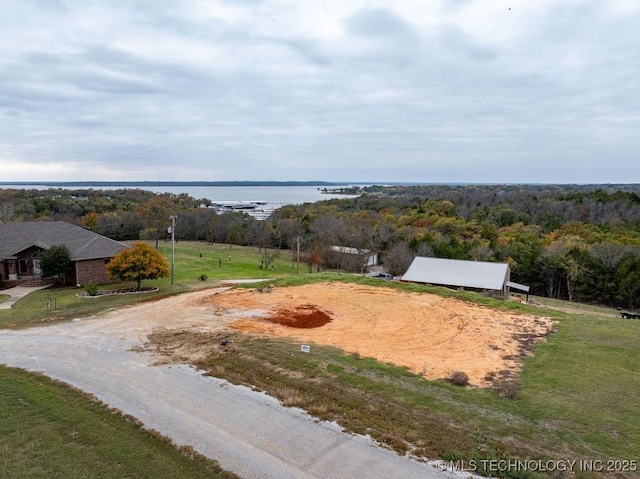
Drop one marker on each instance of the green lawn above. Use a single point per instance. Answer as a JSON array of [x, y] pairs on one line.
[[50, 430], [222, 262]]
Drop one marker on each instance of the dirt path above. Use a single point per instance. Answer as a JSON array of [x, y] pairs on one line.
[[247, 432]]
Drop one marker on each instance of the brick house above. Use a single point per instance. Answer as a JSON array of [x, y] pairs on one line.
[[21, 245]]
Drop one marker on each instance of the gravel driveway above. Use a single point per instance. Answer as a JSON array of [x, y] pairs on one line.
[[247, 432]]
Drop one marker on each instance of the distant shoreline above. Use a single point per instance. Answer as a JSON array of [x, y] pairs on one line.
[[248, 183], [177, 183]]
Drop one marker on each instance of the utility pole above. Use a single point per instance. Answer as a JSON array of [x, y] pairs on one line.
[[173, 244], [298, 253]]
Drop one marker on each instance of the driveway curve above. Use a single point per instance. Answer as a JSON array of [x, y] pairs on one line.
[[247, 432]]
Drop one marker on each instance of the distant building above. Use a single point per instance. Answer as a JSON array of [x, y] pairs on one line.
[[21, 245], [351, 259], [473, 275]]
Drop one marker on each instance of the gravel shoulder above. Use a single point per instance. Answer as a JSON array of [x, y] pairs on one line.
[[247, 432]]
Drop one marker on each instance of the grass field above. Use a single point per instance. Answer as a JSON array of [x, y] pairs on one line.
[[222, 262], [578, 396]]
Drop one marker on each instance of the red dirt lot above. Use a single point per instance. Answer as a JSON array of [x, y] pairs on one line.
[[430, 335]]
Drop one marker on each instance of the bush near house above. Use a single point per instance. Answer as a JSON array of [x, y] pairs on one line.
[[55, 262]]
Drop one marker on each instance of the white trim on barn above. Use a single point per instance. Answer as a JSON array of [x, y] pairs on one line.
[[518, 286], [478, 275]]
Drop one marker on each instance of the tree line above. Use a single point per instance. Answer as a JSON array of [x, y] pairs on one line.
[[576, 242]]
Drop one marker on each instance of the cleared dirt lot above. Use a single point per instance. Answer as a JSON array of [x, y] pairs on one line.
[[430, 335]]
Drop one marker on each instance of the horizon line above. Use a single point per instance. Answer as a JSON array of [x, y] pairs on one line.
[[285, 183]]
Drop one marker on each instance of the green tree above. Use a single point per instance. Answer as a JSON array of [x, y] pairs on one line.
[[55, 262], [629, 274], [156, 213], [138, 263]]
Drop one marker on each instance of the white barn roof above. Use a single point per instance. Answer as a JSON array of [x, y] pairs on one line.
[[458, 273], [349, 250]]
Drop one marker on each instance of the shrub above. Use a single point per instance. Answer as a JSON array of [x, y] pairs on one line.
[[452, 456], [203, 277], [91, 289], [459, 378], [507, 388], [55, 262]]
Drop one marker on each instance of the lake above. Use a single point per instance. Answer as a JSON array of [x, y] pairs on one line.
[[269, 197]]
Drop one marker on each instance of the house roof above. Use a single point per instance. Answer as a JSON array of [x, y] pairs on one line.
[[82, 244], [349, 250], [454, 272]]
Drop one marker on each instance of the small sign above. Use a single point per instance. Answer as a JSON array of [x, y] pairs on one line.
[[305, 349]]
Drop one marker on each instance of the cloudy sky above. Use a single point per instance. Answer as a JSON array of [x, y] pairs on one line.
[[337, 90]]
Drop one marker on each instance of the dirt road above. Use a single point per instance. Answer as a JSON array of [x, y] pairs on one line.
[[249, 433]]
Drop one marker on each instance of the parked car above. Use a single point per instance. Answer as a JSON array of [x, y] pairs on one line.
[[384, 276]]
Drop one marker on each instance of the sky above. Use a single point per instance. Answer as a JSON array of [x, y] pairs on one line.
[[427, 91]]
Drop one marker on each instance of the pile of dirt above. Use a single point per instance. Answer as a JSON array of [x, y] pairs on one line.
[[306, 316]]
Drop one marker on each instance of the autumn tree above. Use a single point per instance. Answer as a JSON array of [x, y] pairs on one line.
[[90, 221], [138, 263], [314, 259]]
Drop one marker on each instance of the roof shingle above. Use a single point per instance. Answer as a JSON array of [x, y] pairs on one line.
[[82, 244]]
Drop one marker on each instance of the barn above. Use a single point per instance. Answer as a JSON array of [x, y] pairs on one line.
[[479, 276]]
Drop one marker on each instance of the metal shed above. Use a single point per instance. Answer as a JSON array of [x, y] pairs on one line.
[[477, 275]]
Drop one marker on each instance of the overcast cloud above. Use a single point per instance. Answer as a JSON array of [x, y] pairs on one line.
[[342, 90]]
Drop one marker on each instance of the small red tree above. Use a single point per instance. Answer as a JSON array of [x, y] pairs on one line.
[[314, 259], [138, 263]]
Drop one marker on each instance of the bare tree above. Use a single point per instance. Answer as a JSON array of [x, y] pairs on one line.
[[398, 258], [481, 252]]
